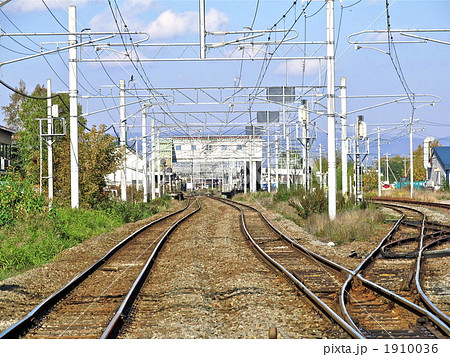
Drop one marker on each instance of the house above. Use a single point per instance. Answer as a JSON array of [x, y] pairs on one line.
[[6, 135], [439, 171]]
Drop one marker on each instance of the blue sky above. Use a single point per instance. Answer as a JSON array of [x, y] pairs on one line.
[[425, 66]]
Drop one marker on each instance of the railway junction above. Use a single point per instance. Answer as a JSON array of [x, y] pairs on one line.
[[215, 268]]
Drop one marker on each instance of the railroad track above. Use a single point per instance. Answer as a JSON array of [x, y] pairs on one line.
[[410, 201], [317, 277], [384, 298], [94, 304], [360, 300]]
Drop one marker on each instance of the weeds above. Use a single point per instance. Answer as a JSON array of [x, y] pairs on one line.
[[348, 226], [34, 238]]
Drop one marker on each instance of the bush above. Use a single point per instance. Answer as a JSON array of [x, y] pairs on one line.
[[348, 226], [18, 198], [308, 202], [33, 239]]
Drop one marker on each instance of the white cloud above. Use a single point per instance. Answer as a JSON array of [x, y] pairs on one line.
[[216, 20], [168, 24], [171, 24], [37, 5], [137, 5], [295, 67]]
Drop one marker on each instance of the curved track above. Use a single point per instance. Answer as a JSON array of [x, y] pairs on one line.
[[319, 278], [383, 302], [85, 306], [377, 299]]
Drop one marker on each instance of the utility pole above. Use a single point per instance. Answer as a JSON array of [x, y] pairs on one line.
[[123, 141], [288, 163], [276, 162], [144, 153], [387, 168], [202, 23], [268, 154], [73, 102], [344, 145], [331, 111], [411, 165], [49, 141], [359, 134], [320, 167], [153, 159], [379, 162]]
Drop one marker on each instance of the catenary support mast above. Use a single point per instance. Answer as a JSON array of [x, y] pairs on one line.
[[73, 102], [331, 112]]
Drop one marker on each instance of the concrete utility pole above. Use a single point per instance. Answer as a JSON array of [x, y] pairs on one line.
[[320, 167], [387, 168], [344, 144], [411, 165], [306, 143], [358, 166], [123, 141], [153, 160], [73, 102], [268, 154], [49, 140], [288, 163], [379, 161], [144, 153], [202, 23], [331, 111], [276, 162]]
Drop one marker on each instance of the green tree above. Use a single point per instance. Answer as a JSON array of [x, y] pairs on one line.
[[98, 156]]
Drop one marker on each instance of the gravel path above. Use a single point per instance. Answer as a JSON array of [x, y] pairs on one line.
[[207, 283]]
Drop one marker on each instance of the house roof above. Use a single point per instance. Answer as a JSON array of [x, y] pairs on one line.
[[4, 128], [442, 154]]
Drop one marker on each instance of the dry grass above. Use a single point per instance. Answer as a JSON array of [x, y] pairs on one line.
[[348, 226], [420, 195]]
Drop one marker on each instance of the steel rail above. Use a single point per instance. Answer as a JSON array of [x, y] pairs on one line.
[[345, 289], [304, 250], [20, 327], [442, 325], [122, 314], [428, 303], [355, 333], [409, 201]]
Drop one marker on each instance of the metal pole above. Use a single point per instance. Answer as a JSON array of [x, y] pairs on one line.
[[268, 154], [73, 103], [357, 162], [387, 168], [276, 163], [320, 166], [331, 112], [202, 22], [158, 162], [288, 164], [344, 145], [379, 163], [49, 140], [123, 143], [411, 165], [302, 114], [144, 154], [153, 186]]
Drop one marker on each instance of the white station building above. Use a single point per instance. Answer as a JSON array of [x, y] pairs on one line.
[[225, 162]]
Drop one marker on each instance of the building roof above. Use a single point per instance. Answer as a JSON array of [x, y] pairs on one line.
[[442, 154], [4, 128]]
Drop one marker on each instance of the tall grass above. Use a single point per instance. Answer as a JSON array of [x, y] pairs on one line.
[[35, 239], [348, 226]]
